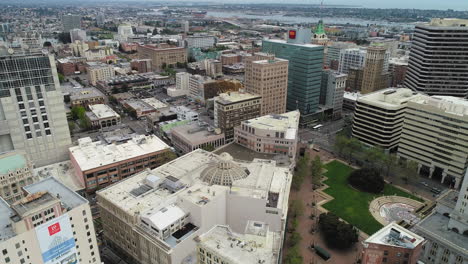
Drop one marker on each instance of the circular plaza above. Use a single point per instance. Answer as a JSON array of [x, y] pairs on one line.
[[387, 209]]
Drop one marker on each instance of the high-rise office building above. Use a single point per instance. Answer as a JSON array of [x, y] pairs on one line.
[[437, 63], [374, 76], [333, 87], [70, 22], [378, 117], [32, 114], [230, 109], [51, 224], [77, 34], [304, 71], [352, 58], [100, 19], [434, 135], [267, 76], [334, 50]]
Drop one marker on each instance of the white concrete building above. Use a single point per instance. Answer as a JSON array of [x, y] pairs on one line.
[[32, 113], [200, 41], [52, 224], [352, 58], [435, 135], [184, 113], [77, 34], [99, 72], [125, 31], [78, 48], [378, 117], [158, 216], [222, 245], [275, 133]]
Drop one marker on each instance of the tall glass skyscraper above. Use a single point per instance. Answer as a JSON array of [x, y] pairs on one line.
[[32, 114], [305, 71]]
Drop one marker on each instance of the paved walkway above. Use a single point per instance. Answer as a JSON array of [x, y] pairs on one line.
[[306, 195]]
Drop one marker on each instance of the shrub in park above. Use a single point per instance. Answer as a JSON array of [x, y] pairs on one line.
[[336, 233], [367, 179]]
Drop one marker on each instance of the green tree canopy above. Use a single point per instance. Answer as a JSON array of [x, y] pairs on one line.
[[337, 234], [367, 179]]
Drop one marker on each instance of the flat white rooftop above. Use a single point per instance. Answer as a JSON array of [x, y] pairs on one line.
[[392, 98], [62, 171], [155, 103], [102, 111], [251, 247], [448, 104], [294, 44], [264, 178], [89, 155], [287, 123], [395, 235], [234, 97]]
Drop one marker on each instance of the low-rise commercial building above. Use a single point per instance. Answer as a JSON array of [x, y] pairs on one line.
[[124, 83], [102, 116], [230, 109], [378, 117], [85, 97], [192, 136], [15, 173], [435, 135], [138, 108], [184, 113], [165, 212], [270, 134], [392, 244], [98, 165], [51, 224]]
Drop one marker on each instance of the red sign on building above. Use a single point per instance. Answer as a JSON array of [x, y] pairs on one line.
[[292, 34], [53, 229]]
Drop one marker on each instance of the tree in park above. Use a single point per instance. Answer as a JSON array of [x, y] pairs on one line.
[[374, 156], [316, 170], [410, 171], [296, 208], [389, 161], [294, 239], [337, 234], [293, 256], [367, 179], [301, 170]]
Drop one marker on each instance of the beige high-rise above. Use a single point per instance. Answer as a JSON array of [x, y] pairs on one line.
[[267, 76], [374, 77]]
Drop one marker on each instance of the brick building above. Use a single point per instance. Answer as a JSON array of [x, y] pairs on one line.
[[98, 165]]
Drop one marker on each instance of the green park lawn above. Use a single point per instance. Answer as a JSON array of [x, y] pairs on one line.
[[350, 204]]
